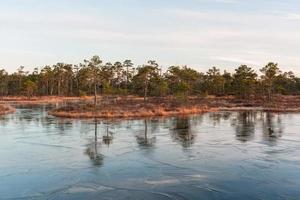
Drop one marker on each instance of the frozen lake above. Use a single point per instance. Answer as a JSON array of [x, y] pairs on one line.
[[227, 155]]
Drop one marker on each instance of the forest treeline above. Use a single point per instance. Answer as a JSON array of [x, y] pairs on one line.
[[93, 76]]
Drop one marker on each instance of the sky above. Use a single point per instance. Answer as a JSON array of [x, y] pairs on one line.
[[197, 33]]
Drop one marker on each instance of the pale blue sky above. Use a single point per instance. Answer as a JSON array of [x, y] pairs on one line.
[[199, 33]]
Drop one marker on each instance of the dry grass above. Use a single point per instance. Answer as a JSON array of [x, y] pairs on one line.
[[24, 100], [117, 113], [134, 107], [131, 108], [4, 109]]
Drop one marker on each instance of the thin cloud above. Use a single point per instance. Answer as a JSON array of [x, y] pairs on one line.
[[237, 60], [292, 16]]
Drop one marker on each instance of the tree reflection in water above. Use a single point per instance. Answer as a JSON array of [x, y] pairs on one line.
[[93, 149], [272, 126], [217, 117], [144, 140], [182, 132], [245, 125], [108, 138]]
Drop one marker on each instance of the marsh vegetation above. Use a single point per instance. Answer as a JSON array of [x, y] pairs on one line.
[[121, 89]]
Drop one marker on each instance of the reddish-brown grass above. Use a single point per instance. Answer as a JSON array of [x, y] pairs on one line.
[[5, 109], [134, 107], [41, 99]]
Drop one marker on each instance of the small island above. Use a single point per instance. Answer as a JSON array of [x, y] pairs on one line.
[[131, 107], [135, 107]]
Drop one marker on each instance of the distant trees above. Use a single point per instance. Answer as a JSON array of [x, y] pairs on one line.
[[215, 81], [182, 80], [4, 78], [63, 77], [228, 83], [145, 81], [270, 73], [94, 76], [287, 83], [30, 88], [47, 80], [128, 65], [244, 81]]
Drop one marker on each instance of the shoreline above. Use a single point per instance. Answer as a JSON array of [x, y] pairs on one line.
[[261, 109], [131, 115], [6, 109], [168, 107], [131, 107], [22, 100], [90, 115]]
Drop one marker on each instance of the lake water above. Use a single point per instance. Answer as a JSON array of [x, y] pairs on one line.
[[227, 155]]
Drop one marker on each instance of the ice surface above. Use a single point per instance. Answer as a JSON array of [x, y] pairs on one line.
[[235, 155]]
